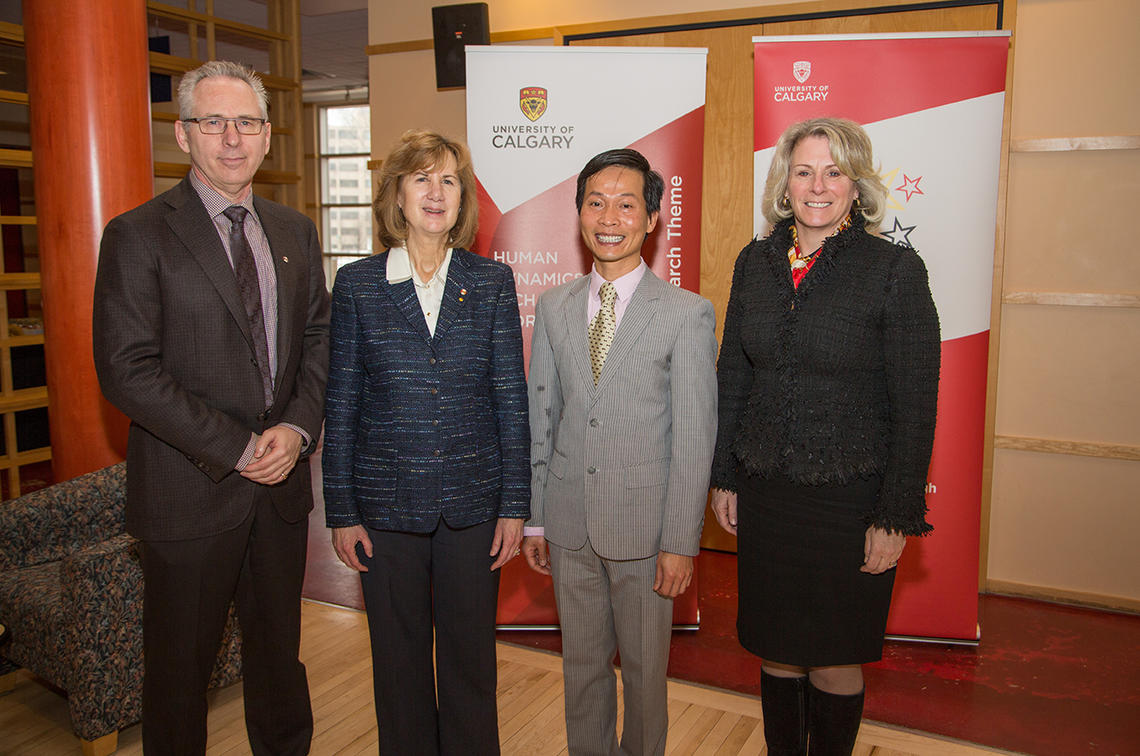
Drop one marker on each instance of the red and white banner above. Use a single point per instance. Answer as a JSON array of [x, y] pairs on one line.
[[535, 115], [932, 105]]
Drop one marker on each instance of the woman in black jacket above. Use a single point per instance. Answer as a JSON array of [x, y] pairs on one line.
[[828, 386]]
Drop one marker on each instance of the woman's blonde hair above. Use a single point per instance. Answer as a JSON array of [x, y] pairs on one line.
[[850, 149], [420, 149]]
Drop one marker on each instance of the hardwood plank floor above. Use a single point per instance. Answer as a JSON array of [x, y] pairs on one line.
[[334, 647]]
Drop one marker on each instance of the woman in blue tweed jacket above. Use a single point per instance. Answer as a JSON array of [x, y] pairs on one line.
[[426, 455]]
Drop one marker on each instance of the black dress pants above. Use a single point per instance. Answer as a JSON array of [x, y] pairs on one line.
[[260, 565], [420, 581]]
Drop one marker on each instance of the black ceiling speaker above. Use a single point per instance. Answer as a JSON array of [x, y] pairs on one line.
[[455, 26]]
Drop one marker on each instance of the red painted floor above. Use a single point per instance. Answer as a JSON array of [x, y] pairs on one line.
[[1045, 679]]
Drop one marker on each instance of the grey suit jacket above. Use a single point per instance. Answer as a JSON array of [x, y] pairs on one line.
[[174, 353], [625, 463]]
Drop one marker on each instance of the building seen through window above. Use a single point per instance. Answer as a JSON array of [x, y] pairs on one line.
[[346, 186]]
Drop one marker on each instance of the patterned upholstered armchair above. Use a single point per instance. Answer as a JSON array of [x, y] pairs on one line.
[[71, 594]]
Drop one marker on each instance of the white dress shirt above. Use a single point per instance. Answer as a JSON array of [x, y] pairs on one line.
[[430, 292]]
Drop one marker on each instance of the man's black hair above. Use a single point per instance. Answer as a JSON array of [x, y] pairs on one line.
[[626, 158]]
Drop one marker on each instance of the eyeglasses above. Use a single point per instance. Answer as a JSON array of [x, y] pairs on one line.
[[246, 126]]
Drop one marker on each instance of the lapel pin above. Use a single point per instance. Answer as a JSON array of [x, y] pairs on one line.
[[462, 294], [284, 259]]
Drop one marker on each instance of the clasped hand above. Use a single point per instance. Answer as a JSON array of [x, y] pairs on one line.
[[274, 456]]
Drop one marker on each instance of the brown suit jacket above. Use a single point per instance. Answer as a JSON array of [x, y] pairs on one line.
[[173, 352]]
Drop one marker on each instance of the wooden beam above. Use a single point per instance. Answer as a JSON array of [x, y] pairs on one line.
[[523, 35], [17, 281], [18, 98], [16, 158], [1063, 596], [19, 341], [29, 457], [11, 32], [1059, 446], [24, 399], [1072, 298], [1008, 22], [399, 47], [1076, 143]]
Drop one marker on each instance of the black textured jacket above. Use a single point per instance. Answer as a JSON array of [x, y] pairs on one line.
[[834, 380]]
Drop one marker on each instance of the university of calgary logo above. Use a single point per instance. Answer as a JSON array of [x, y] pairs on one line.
[[801, 69], [532, 102]]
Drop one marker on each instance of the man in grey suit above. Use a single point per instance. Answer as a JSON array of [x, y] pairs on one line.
[[623, 420], [211, 334]]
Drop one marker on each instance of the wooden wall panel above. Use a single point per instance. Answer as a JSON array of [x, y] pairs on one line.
[[1033, 527], [1069, 373], [1054, 241], [409, 100], [1080, 59]]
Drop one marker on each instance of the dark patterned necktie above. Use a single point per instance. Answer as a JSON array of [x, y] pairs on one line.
[[245, 271], [601, 332]]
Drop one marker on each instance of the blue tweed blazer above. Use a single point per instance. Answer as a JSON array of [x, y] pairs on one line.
[[420, 427]]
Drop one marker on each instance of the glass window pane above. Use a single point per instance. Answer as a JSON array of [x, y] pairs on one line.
[[345, 181], [13, 75], [32, 429], [27, 361], [348, 230], [345, 130]]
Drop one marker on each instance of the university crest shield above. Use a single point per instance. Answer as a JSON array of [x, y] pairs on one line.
[[532, 102]]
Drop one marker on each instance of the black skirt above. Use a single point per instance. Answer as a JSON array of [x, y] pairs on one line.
[[802, 599]]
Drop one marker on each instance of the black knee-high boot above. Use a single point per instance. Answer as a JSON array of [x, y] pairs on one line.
[[833, 722], [784, 703]]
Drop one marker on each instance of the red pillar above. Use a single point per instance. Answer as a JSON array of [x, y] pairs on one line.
[[89, 100]]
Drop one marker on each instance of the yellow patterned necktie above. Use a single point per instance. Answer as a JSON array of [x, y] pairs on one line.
[[602, 328]]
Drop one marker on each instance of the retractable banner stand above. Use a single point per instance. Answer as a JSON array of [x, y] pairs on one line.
[[535, 115], [932, 105]]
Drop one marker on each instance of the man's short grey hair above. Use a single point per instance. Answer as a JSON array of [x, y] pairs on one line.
[[226, 68]]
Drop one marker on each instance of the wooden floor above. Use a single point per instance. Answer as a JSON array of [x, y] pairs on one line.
[[33, 717]]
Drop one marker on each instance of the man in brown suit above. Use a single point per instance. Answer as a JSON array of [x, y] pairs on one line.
[[211, 334]]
